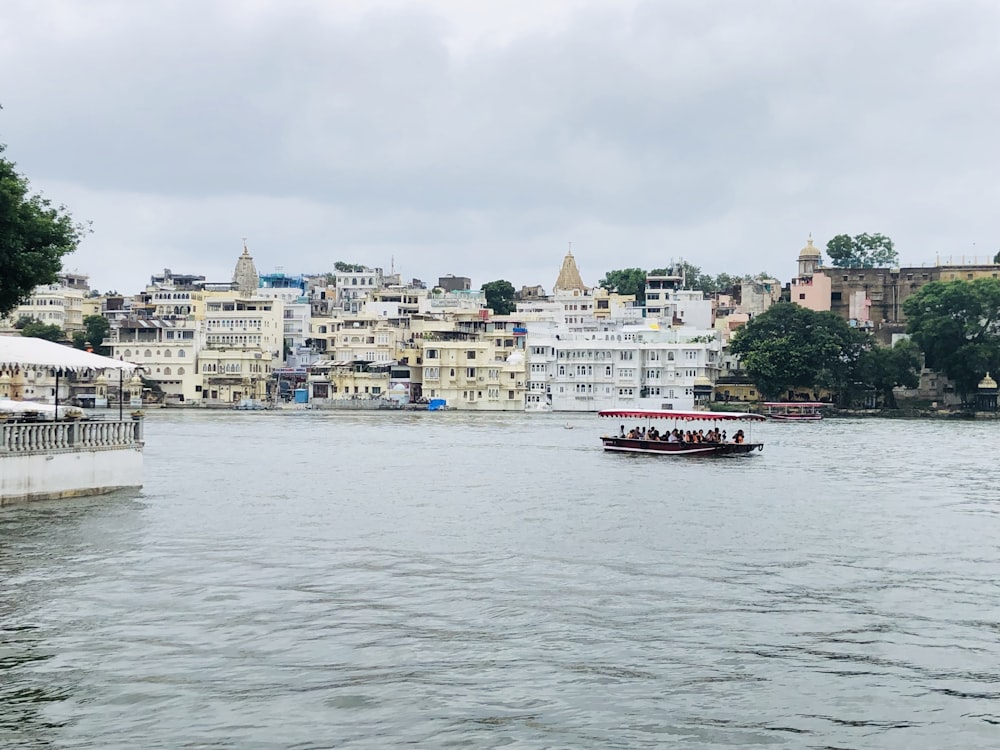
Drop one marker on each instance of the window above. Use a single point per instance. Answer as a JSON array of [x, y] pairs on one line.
[[470, 355], [470, 372], [802, 296], [431, 354]]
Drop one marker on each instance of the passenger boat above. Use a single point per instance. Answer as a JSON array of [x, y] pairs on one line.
[[683, 420], [794, 411]]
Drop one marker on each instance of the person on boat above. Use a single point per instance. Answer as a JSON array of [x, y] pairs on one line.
[[672, 437], [621, 431], [738, 439], [723, 440]]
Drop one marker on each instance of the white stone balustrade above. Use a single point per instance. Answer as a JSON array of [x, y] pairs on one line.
[[69, 435]]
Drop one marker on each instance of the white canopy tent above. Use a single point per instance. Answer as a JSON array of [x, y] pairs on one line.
[[30, 407], [25, 352], [21, 351]]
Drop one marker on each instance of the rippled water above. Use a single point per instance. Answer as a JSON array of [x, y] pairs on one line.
[[310, 580]]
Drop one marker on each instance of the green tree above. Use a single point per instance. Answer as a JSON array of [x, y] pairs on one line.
[[348, 267], [791, 347], [96, 327], [957, 326], [884, 368], [34, 237], [499, 296], [861, 251], [626, 281], [38, 330]]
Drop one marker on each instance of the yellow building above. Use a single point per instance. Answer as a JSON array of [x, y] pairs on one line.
[[478, 365], [243, 341]]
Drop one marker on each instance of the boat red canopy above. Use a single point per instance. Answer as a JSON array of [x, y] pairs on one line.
[[796, 403], [687, 416]]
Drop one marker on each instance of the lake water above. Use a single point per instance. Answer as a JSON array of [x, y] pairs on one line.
[[351, 580]]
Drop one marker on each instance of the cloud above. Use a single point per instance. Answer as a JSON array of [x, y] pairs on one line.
[[477, 140]]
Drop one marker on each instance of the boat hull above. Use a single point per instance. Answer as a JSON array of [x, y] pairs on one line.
[[795, 417], [659, 448]]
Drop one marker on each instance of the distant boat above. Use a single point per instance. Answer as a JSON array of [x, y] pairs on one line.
[[249, 404], [794, 411]]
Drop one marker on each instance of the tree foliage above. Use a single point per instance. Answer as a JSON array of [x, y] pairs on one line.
[[861, 251], [626, 281], [348, 267], [96, 327], [34, 237], [499, 296], [790, 347], [957, 325], [883, 368], [36, 329]]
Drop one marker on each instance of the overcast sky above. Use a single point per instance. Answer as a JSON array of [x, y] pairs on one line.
[[479, 138]]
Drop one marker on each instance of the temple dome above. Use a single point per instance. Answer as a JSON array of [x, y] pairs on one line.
[[809, 251], [245, 276], [987, 383], [569, 276]]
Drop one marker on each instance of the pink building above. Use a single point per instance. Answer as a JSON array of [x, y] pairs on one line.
[[812, 288]]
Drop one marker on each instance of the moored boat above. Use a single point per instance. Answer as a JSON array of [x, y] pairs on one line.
[[794, 411], [628, 442]]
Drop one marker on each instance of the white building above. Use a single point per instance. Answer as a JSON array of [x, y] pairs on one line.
[[353, 287], [622, 367], [167, 351], [59, 304]]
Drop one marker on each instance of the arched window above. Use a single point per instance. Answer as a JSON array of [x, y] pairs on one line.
[[167, 353], [180, 370], [166, 370], [181, 353], [128, 353], [148, 353]]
